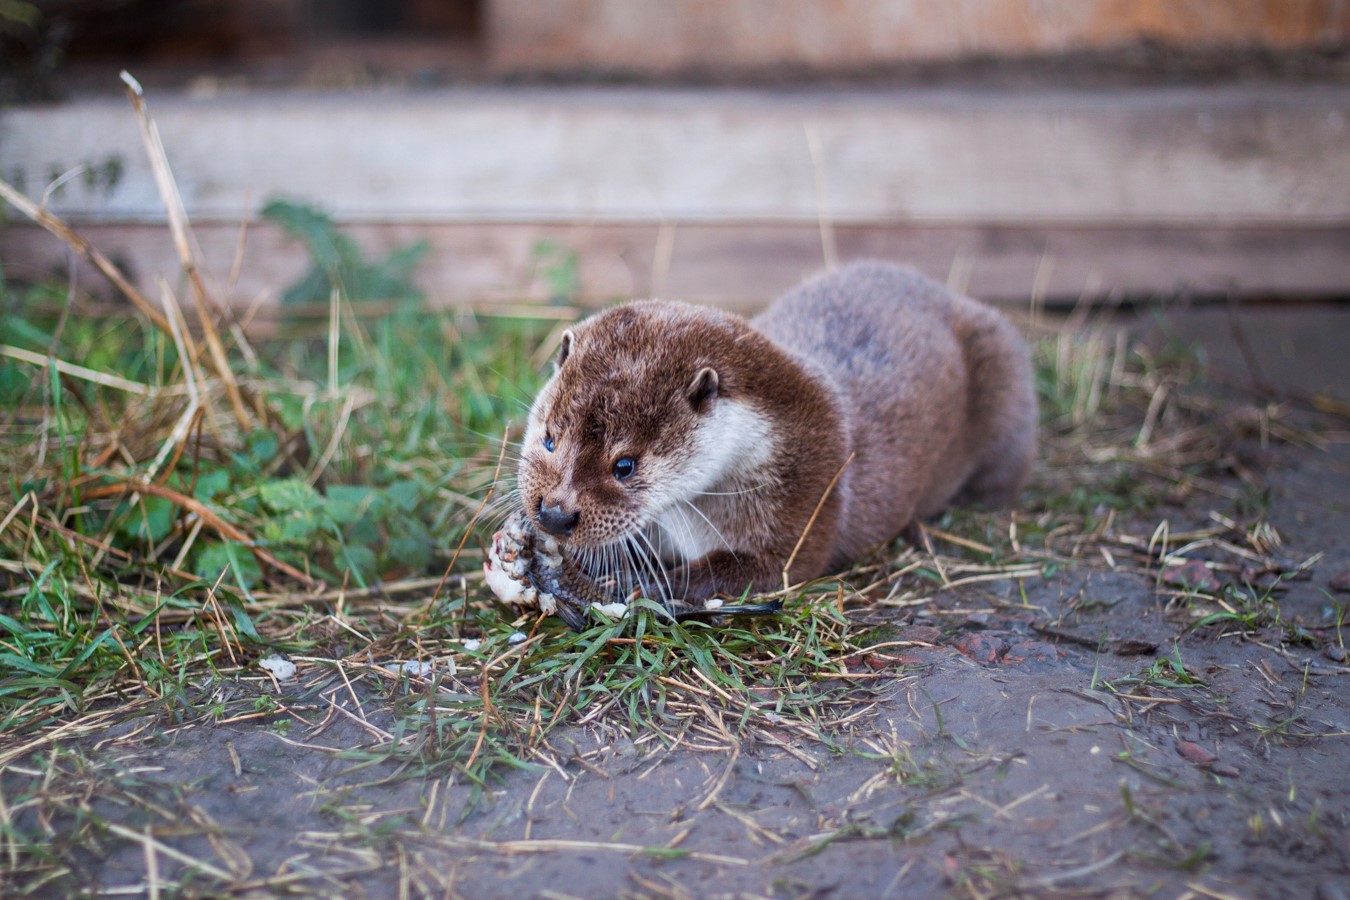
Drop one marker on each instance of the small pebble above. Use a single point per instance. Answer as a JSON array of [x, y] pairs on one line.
[[1336, 653], [1341, 582], [472, 644], [1135, 647], [1225, 770], [1192, 574], [417, 669], [516, 637], [921, 634]]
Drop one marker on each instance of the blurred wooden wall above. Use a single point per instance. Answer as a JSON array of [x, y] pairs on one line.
[[655, 36]]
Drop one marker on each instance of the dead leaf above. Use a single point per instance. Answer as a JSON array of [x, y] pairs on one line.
[[1196, 754]]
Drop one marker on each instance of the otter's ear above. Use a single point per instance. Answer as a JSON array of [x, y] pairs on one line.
[[703, 389], [564, 348]]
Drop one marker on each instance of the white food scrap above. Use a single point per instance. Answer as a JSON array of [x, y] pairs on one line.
[[282, 669], [422, 669], [612, 610]]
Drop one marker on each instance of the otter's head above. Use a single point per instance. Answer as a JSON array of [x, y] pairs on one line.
[[622, 429]]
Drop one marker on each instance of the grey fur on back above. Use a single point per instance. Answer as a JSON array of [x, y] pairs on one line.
[[936, 388]]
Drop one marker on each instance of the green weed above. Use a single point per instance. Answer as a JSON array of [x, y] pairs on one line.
[[1167, 673], [339, 265]]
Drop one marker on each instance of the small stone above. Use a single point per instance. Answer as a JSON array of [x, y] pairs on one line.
[[1336, 653], [1225, 770], [921, 634], [1135, 647], [516, 637], [472, 645], [1341, 582], [982, 647], [1031, 651], [1193, 574]]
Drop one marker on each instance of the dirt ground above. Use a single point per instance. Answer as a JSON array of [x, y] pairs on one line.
[[991, 759]]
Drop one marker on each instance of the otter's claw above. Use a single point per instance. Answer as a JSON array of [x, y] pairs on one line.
[[529, 570]]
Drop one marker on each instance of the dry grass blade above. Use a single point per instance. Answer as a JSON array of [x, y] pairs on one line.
[[178, 436], [554, 846], [825, 495], [146, 840], [75, 371], [85, 250], [178, 227]]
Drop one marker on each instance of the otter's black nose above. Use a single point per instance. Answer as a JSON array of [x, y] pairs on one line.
[[557, 521]]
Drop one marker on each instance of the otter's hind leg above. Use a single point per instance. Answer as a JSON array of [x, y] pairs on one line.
[[998, 481]]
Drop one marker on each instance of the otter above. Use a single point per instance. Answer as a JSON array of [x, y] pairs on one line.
[[706, 455]]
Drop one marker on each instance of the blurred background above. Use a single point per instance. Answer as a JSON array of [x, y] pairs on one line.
[[495, 151]]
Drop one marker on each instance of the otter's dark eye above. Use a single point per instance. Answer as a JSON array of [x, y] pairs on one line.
[[624, 466], [548, 442]]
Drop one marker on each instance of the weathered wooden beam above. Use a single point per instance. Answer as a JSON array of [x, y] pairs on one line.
[[1237, 155], [743, 265]]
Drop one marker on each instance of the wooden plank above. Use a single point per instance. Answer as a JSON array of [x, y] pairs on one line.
[[1206, 156], [742, 266]]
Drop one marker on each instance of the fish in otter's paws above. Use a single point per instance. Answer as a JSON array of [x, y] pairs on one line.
[[681, 452]]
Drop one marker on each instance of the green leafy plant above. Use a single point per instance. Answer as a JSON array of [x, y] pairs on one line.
[[559, 267], [338, 263]]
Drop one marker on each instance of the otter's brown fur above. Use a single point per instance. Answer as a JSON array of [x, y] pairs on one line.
[[737, 428]]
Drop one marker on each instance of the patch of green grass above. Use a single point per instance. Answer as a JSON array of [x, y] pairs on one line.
[[653, 679], [354, 473], [1245, 608], [338, 263], [135, 550], [1121, 425], [1166, 673]]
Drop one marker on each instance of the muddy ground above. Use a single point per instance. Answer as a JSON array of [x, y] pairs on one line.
[[1085, 738]]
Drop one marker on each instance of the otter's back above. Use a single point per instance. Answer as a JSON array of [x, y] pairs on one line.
[[897, 349]]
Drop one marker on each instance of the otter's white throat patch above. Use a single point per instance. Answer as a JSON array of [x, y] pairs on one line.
[[731, 447]]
